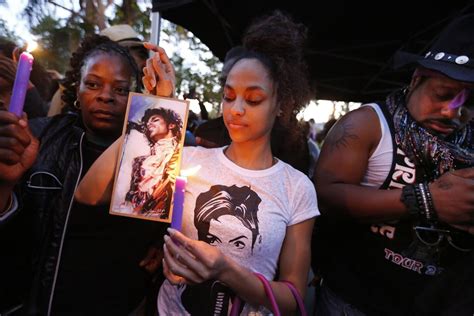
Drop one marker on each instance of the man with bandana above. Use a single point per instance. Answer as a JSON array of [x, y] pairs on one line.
[[395, 182]]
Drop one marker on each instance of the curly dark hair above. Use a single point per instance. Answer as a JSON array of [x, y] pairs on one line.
[[278, 43], [170, 117], [90, 46], [7, 47], [7, 70], [7, 73], [40, 78]]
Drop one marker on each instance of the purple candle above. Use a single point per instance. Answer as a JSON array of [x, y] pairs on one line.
[[178, 203], [21, 83]]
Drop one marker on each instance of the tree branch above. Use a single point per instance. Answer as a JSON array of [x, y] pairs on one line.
[[73, 13]]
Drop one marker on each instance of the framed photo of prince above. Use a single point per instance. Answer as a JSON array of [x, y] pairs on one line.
[[149, 158]]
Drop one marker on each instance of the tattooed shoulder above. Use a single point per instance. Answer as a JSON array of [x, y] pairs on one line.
[[341, 135]]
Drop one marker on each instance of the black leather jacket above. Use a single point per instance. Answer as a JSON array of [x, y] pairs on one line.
[[45, 195]]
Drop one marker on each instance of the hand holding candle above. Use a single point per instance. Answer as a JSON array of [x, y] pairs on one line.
[[22, 79]]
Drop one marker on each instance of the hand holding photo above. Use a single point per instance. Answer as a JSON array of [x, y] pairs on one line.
[[150, 157]]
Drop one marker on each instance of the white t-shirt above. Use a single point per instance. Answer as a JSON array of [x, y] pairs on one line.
[[272, 199]]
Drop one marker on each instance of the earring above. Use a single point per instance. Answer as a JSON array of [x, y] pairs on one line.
[[77, 105], [280, 112], [406, 90]]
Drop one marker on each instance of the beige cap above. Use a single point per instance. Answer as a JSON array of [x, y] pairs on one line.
[[123, 34]]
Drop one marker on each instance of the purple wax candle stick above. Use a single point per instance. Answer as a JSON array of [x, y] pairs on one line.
[[20, 86], [178, 203]]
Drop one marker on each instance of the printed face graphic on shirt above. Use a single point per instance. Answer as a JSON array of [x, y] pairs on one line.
[[225, 217], [229, 235]]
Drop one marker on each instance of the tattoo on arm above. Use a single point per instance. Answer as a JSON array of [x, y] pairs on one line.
[[444, 185], [341, 136]]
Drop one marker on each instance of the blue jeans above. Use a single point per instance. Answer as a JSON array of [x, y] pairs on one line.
[[329, 303]]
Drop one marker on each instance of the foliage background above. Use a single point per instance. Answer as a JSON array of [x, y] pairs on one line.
[[58, 37], [59, 34]]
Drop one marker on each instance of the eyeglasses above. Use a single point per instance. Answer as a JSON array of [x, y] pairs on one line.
[[433, 236]]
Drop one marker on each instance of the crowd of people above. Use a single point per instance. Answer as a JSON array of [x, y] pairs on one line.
[[379, 205]]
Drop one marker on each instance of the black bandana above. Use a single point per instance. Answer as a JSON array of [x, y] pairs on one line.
[[435, 155]]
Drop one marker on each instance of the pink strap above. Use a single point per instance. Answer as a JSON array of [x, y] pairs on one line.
[[271, 296], [234, 311], [298, 298]]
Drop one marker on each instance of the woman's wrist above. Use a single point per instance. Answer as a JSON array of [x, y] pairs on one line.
[[6, 198], [6, 207], [6, 192], [228, 270]]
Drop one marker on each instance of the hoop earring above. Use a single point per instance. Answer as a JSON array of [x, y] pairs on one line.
[[406, 90], [77, 105]]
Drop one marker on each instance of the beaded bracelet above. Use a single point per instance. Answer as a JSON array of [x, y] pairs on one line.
[[430, 212], [409, 199], [419, 202]]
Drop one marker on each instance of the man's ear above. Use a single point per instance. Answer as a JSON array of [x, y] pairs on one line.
[[77, 88], [16, 54], [415, 80]]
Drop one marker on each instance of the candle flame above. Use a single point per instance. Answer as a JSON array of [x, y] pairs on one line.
[[190, 171], [32, 45]]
